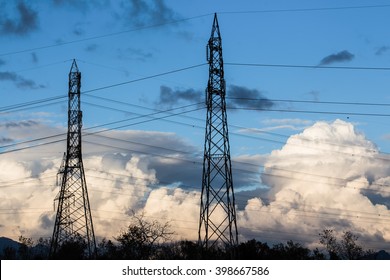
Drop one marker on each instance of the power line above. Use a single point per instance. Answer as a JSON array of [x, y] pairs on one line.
[[19, 181], [309, 66], [87, 134], [324, 214], [11, 108], [102, 36], [177, 151], [156, 112], [306, 9], [311, 101], [342, 212], [362, 216], [190, 18], [39, 102], [106, 130], [43, 66], [160, 118], [15, 107], [341, 184], [235, 126], [264, 199], [30, 147], [21, 106], [311, 112], [341, 180], [138, 116], [117, 139], [146, 78], [367, 217]]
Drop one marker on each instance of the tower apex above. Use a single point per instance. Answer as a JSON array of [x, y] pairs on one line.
[[215, 29], [74, 68]]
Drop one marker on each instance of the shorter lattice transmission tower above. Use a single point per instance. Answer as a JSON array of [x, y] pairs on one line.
[[73, 220], [217, 224]]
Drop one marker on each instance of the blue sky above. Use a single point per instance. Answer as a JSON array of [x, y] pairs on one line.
[[129, 45], [294, 67]]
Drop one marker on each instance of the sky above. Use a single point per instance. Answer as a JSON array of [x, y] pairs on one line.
[[307, 103]]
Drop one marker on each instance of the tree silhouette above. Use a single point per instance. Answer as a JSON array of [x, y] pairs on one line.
[[72, 249], [25, 247], [150, 239], [346, 249], [142, 237]]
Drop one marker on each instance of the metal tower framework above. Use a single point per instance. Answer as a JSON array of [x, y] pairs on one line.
[[73, 220], [217, 225]]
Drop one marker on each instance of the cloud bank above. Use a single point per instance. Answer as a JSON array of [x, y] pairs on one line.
[[329, 175]]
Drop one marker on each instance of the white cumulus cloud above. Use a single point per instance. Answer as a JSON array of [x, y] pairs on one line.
[[329, 175]]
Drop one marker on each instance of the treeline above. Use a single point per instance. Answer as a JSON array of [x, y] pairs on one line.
[[145, 240], [180, 250]]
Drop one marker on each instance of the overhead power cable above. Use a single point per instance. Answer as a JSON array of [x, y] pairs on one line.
[[153, 118], [103, 36], [191, 118], [33, 107], [145, 78], [341, 181], [16, 107], [43, 66], [86, 134], [63, 134], [329, 210], [40, 102], [309, 66], [311, 112], [34, 103], [258, 131], [191, 18], [311, 101], [324, 213], [138, 116], [307, 9]]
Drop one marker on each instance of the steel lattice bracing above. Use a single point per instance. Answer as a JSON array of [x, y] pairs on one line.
[[217, 225], [73, 220]]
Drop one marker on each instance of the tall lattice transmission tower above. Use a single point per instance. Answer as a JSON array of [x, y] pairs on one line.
[[217, 224], [73, 220]]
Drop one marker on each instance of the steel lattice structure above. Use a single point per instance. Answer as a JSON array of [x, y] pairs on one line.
[[217, 225], [73, 220]]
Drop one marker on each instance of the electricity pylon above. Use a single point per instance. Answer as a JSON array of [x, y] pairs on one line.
[[73, 220], [217, 224]]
